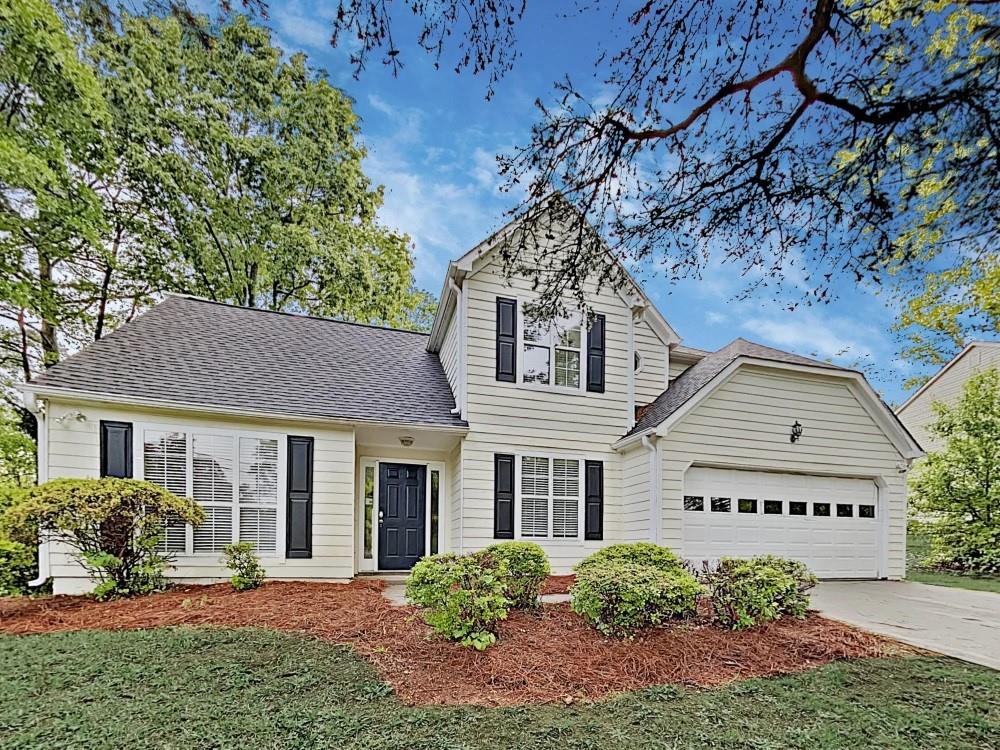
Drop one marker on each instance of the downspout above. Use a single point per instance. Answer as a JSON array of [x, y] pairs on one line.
[[42, 472], [655, 491], [459, 313]]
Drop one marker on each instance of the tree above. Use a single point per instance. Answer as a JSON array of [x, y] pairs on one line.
[[835, 136], [958, 488], [17, 453]]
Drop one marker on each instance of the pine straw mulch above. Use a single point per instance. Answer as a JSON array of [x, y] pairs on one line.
[[540, 658]]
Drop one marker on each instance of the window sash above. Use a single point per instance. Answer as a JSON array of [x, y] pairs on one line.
[[557, 338], [549, 497], [236, 477]]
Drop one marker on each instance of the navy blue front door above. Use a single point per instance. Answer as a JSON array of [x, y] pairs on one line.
[[402, 506]]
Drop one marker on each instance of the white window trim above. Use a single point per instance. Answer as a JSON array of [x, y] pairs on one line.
[[551, 385], [188, 430], [580, 514], [364, 565]]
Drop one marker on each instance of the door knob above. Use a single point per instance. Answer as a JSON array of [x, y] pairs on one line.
[[381, 517]]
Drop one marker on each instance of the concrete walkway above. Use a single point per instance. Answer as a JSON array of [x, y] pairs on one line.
[[956, 622]]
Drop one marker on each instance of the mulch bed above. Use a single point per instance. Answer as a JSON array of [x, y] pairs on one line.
[[544, 657], [558, 584]]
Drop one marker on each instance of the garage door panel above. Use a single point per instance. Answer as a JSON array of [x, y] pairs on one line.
[[832, 546]]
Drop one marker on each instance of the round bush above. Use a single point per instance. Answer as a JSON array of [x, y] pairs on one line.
[[619, 598], [750, 592], [463, 597], [638, 553], [17, 567], [527, 568]]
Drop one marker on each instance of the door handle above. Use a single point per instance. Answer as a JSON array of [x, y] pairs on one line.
[[381, 518]]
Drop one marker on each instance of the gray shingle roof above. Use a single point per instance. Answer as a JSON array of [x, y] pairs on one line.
[[700, 374], [204, 353]]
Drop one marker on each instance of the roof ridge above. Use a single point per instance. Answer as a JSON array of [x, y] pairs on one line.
[[300, 316]]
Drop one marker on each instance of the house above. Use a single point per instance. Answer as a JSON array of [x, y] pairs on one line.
[[946, 386], [341, 449]]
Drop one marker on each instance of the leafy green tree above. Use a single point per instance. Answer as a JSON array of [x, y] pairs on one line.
[[958, 488], [17, 453]]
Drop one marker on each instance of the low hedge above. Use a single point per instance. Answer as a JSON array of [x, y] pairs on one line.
[[463, 597], [619, 598], [527, 568], [636, 553], [751, 592], [17, 567]]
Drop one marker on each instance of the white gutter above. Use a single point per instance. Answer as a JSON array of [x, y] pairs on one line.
[[655, 490], [460, 322], [42, 472], [631, 372]]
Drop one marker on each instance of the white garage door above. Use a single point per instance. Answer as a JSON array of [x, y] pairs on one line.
[[829, 523]]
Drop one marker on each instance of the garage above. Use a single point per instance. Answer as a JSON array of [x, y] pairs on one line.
[[830, 523]]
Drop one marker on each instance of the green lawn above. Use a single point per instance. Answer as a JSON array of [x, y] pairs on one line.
[[916, 550], [213, 688]]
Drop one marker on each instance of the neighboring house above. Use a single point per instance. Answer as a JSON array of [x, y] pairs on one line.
[[340, 449], [946, 386]]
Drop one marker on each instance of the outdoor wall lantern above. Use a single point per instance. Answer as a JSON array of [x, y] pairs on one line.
[[796, 431]]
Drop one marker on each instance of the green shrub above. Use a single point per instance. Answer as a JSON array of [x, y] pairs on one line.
[[750, 592], [247, 570], [637, 553], [619, 598], [111, 525], [527, 569], [17, 567], [463, 597]]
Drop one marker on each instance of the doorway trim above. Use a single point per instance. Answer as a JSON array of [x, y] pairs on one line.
[[363, 564]]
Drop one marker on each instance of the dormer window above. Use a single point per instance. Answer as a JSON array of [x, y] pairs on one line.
[[553, 352]]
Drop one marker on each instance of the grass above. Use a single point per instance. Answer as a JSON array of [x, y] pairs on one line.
[[222, 688], [917, 548]]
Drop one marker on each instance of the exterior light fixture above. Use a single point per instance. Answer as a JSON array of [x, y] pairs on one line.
[[796, 431], [406, 441]]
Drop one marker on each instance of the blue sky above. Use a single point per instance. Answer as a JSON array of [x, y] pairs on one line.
[[432, 138]]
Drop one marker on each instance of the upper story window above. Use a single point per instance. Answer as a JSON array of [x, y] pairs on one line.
[[553, 352]]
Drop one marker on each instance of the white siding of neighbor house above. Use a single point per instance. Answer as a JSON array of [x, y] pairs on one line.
[[947, 389], [450, 353], [514, 418], [635, 494], [746, 423], [74, 452], [651, 380]]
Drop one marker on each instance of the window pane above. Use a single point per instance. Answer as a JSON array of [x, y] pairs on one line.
[[866, 511], [535, 368], [845, 510], [216, 531], [796, 508], [259, 526], [567, 368], [435, 505], [212, 464], [821, 509], [369, 508], [746, 505], [537, 332], [534, 497], [721, 504], [772, 507], [258, 471], [694, 502], [173, 537], [570, 337], [164, 460], [566, 498]]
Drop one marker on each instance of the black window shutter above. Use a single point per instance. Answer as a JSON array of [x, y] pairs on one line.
[[116, 449], [300, 497], [593, 500], [506, 339], [503, 496], [595, 355]]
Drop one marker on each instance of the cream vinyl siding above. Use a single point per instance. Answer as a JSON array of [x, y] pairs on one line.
[[74, 452], [651, 380], [537, 420], [635, 494], [677, 368], [746, 424], [947, 389], [454, 469], [450, 353]]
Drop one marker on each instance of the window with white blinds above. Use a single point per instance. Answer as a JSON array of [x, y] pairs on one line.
[[550, 498], [234, 477]]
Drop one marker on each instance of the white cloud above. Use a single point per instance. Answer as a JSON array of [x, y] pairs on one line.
[[715, 318]]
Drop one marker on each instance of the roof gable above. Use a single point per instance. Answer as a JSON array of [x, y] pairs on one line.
[[945, 368], [197, 353]]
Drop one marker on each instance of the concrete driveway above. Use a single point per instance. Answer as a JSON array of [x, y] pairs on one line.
[[960, 623]]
